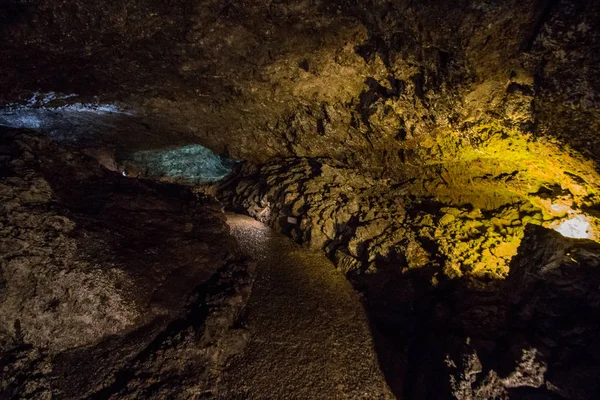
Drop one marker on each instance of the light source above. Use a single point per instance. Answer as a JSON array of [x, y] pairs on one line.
[[577, 227]]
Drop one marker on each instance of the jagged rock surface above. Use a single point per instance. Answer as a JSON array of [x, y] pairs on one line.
[[534, 334], [374, 84], [425, 135], [365, 224], [475, 339], [105, 278]]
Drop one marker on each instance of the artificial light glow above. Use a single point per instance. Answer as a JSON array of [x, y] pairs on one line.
[[265, 214], [577, 228], [192, 163], [560, 208]]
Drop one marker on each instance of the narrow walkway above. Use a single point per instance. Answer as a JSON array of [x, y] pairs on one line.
[[309, 334]]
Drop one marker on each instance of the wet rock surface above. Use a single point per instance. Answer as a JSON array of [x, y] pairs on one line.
[[106, 279]]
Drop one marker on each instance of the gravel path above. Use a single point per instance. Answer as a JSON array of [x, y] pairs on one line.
[[309, 334]]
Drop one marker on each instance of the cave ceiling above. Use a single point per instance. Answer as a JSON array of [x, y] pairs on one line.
[[476, 104], [353, 80]]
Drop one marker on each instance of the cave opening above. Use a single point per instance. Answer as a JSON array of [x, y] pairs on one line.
[[280, 199], [95, 129]]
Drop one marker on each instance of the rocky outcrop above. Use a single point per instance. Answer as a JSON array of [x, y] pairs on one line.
[[365, 224], [105, 278], [471, 337], [533, 336]]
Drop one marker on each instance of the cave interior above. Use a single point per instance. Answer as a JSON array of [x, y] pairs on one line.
[[308, 199]]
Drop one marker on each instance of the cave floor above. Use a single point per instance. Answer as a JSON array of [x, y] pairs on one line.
[[309, 335]]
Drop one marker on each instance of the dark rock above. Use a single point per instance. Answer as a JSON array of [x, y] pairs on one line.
[[261, 71], [541, 339], [105, 278]]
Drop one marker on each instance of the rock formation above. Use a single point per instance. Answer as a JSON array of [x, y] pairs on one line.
[[105, 278], [429, 149], [375, 84], [447, 323], [532, 336]]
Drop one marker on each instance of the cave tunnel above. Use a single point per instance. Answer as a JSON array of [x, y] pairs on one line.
[[295, 199]]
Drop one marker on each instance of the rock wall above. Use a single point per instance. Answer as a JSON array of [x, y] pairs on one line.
[[372, 84], [534, 336], [466, 221], [531, 334], [412, 141], [103, 277]]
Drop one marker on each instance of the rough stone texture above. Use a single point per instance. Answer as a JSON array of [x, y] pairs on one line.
[[104, 278], [407, 139], [365, 224], [476, 339], [309, 335], [533, 336], [368, 83], [473, 104]]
